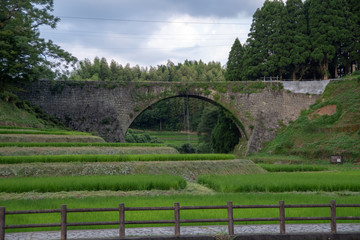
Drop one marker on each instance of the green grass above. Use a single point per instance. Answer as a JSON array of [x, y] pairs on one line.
[[31, 151], [322, 136], [49, 138], [113, 158], [42, 132], [167, 201], [10, 114], [292, 168], [176, 139], [279, 159], [78, 144], [15, 113], [91, 183], [284, 182]]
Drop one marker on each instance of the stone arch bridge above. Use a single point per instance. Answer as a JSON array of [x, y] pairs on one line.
[[109, 108]]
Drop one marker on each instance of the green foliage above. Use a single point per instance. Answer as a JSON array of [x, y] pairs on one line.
[[292, 168], [133, 137], [252, 87], [26, 56], [217, 132], [189, 71], [170, 114], [91, 183], [284, 182], [186, 148], [225, 136], [113, 158], [235, 62], [301, 39]]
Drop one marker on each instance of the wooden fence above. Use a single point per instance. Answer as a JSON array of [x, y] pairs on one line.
[[230, 220]]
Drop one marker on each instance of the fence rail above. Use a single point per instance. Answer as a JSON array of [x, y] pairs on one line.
[[176, 221]]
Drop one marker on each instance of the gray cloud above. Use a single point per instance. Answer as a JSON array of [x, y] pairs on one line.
[[150, 43], [157, 8]]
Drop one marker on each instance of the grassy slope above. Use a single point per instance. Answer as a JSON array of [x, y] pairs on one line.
[[21, 122], [11, 115], [323, 136]]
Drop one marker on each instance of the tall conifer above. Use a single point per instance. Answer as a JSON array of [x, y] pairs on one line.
[[235, 62]]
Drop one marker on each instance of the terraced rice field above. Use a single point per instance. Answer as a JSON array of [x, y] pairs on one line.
[[43, 174]]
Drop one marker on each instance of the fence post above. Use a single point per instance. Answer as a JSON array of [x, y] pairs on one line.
[[333, 216], [282, 216], [2, 223], [122, 220], [177, 219], [63, 211], [230, 218]]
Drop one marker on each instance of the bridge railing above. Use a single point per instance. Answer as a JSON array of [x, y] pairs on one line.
[[177, 221]]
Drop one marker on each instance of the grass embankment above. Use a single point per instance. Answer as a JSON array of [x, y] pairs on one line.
[[77, 144], [190, 170], [49, 138], [285, 182], [113, 158], [15, 113], [91, 183], [319, 132], [21, 151], [42, 132], [184, 200]]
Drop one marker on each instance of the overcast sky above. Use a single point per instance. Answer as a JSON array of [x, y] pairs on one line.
[[151, 32]]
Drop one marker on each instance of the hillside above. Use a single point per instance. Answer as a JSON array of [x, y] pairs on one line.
[[17, 113], [330, 127]]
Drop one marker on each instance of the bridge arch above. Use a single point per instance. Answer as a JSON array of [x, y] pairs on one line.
[[235, 120], [109, 108]]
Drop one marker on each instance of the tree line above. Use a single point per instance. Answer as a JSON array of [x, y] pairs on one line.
[[295, 40], [100, 70]]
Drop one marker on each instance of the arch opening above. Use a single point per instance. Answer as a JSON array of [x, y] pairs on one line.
[[209, 126]]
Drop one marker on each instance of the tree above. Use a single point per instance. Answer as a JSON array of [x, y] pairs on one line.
[[327, 31], [349, 50], [225, 134], [298, 40], [260, 54], [235, 62], [105, 72], [276, 42], [207, 124], [24, 55]]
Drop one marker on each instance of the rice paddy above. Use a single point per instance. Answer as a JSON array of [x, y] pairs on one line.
[[139, 175], [91, 183], [292, 168], [284, 182], [113, 158]]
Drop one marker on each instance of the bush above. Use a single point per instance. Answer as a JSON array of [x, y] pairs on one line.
[[186, 148]]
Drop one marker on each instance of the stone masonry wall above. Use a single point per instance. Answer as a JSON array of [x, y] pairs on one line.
[[109, 108]]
